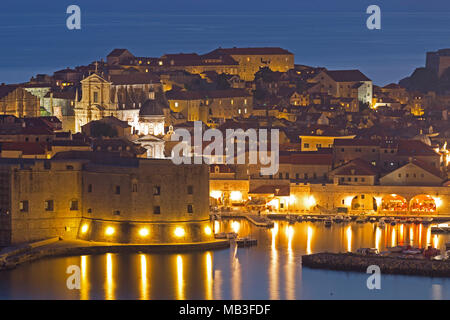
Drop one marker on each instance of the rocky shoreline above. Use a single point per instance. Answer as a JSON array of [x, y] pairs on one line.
[[388, 265]]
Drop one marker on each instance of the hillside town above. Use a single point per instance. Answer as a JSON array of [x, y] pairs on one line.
[[345, 143]]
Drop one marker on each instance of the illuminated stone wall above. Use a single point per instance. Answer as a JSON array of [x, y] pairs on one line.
[[249, 64], [50, 198], [45, 201], [153, 194], [20, 103], [145, 233]]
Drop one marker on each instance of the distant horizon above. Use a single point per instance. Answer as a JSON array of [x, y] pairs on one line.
[[37, 41], [200, 53]]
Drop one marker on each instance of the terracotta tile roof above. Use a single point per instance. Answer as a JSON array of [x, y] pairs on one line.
[[193, 59], [434, 171], [116, 52], [306, 158], [253, 51], [134, 78], [198, 95], [414, 148], [27, 148], [347, 75], [276, 190], [356, 167], [355, 142]]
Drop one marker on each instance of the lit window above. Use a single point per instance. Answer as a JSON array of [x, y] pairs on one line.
[[23, 206], [49, 205], [74, 205]]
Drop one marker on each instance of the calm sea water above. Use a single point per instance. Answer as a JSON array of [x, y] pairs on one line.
[[271, 270], [39, 42]]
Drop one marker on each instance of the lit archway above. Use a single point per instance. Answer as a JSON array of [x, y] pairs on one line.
[[363, 202], [423, 203], [394, 203]]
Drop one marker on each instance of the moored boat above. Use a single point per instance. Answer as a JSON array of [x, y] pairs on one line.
[[246, 242]]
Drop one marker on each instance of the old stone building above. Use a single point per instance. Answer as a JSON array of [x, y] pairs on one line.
[[120, 96], [438, 61], [250, 60], [345, 84], [99, 197], [17, 101], [205, 105]]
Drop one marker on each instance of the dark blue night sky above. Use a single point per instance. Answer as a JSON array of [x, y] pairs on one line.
[[329, 33]]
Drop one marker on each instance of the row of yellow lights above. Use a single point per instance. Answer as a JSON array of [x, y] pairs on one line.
[[144, 232]]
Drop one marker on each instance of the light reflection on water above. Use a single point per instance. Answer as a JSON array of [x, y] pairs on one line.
[[271, 270]]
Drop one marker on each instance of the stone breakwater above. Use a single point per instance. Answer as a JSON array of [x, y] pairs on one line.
[[31, 253], [388, 265]]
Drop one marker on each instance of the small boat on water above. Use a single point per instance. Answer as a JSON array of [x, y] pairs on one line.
[[427, 221], [417, 221], [367, 251], [393, 222], [373, 219], [412, 251], [246, 242], [381, 224], [338, 218], [328, 222], [226, 235]]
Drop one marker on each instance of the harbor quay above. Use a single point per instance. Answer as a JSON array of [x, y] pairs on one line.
[[309, 199], [387, 265]]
